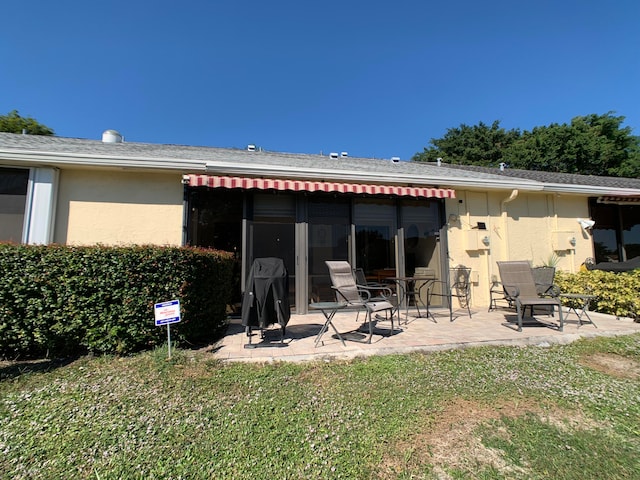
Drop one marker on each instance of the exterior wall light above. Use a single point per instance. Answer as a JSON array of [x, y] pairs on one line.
[[486, 240]]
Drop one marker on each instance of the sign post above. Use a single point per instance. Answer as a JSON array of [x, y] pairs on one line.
[[167, 313]]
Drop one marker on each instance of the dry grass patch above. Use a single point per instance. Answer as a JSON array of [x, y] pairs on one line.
[[612, 364], [450, 441]]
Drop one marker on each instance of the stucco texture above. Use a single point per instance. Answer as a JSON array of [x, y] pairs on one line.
[[119, 208], [530, 226]]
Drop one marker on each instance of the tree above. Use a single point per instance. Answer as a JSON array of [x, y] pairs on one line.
[[589, 145], [14, 123], [470, 145]]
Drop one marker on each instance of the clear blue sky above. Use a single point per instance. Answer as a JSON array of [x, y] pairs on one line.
[[372, 78]]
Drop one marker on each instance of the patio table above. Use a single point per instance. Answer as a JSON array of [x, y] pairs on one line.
[[329, 310], [407, 290], [584, 300]]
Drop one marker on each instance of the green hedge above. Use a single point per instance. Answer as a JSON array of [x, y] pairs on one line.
[[58, 300], [616, 293]]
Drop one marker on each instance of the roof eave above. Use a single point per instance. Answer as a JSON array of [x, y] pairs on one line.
[[588, 190]]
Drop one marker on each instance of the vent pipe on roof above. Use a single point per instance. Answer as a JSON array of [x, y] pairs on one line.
[[111, 136], [502, 166], [439, 161]]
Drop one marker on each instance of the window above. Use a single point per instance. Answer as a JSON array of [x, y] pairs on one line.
[[13, 198]]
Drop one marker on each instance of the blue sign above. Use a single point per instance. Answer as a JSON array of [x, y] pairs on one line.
[[167, 312]]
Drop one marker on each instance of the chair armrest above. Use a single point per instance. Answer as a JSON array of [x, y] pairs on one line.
[[444, 290], [382, 290], [511, 291]]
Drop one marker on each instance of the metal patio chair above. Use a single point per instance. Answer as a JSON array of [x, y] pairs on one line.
[[458, 286]]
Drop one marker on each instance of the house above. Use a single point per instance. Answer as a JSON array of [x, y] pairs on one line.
[[387, 216]]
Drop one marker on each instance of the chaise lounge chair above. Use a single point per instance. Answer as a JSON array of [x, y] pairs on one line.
[[521, 289]]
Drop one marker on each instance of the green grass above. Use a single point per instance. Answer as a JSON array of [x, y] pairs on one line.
[[495, 412]]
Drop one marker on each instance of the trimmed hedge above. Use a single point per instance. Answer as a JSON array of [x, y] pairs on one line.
[[59, 300], [616, 293]]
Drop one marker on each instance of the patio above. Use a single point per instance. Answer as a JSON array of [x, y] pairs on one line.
[[418, 335]]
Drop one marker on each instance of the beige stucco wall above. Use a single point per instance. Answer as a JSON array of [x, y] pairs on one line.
[[528, 226], [118, 208]]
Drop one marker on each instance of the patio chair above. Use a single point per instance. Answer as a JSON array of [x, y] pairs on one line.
[[520, 288], [543, 276], [458, 286], [356, 297], [377, 291], [496, 294]]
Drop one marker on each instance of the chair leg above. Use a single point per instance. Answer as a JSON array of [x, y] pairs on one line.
[[450, 308], [519, 310]]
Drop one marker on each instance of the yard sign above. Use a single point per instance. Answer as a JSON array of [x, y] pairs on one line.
[[167, 313]]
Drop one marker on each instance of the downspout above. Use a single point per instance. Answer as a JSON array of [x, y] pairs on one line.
[[185, 211], [503, 212]]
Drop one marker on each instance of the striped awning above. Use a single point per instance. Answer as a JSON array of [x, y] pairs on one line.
[[633, 199], [216, 181]]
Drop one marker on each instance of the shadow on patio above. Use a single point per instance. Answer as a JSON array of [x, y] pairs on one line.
[[417, 335]]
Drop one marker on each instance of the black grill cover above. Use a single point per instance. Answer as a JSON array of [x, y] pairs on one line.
[[266, 296]]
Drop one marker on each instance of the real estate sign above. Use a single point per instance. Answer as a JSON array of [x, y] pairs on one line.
[[167, 312]]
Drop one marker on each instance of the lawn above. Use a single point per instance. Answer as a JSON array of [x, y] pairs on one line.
[[563, 412]]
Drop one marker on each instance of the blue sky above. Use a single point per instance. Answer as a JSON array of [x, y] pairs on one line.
[[374, 79]]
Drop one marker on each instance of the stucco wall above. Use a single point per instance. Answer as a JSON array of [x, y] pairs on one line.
[[528, 226], [118, 208]]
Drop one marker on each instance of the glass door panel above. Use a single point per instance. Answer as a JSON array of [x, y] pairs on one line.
[[375, 230], [271, 233], [329, 226], [420, 224]]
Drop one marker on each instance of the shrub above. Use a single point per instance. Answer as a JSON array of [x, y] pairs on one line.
[[58, 300], [616, 293]]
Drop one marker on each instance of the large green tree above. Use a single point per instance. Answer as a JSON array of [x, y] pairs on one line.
[[589, 145], [14, 123]]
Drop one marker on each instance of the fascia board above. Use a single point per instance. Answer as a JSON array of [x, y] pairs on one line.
[[589, 190], [58, 158]]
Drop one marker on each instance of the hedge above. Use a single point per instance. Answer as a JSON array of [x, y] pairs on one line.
[[616, 293], [59, 300]]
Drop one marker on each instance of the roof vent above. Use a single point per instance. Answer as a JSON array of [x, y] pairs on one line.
[[344, 154], [111, 136], [251, 148], [395, 159], [502, 166], [439, 161], [333, 155]]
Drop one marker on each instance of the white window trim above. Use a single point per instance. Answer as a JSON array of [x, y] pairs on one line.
[[39, 216]]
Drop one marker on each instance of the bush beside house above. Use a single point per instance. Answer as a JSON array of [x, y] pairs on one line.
[[616, 293], [59, 300]]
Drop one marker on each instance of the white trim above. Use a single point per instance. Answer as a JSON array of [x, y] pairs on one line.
[[40, 208]]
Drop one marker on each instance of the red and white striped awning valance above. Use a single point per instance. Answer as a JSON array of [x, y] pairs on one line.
[[619, 199], [216, 181]]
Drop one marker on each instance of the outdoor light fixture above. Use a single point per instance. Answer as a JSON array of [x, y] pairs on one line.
[[486, 240], [586, 224], [572, 241]]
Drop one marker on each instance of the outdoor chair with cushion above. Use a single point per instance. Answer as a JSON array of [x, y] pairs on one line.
[[458, 286], [521, 289], [357, 297]]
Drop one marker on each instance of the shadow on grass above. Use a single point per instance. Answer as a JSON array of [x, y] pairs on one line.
[[10, 370]]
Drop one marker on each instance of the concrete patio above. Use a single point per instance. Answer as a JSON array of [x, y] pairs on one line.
[[416, 335]]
